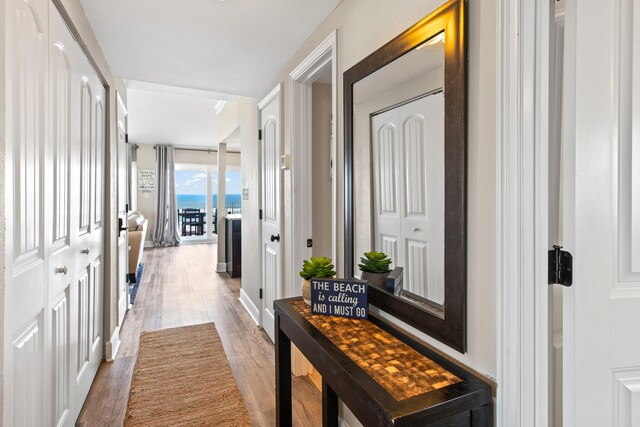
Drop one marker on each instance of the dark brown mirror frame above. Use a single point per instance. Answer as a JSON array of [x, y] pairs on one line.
[[448, 325]]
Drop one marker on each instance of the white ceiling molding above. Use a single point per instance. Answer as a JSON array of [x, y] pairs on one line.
[[157, 87]]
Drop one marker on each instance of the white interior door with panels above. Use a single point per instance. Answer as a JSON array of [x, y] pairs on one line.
[[271, 248], [123, 294], [602, 213], [408, 165], [90, 228], [27, 373], [55, 156]]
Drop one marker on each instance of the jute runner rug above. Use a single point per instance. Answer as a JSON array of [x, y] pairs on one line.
[[182, 378]]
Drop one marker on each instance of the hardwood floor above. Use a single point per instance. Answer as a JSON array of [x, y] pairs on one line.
[[180, 287]]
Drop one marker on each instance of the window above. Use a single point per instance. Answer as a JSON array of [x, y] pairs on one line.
[[191, 200]]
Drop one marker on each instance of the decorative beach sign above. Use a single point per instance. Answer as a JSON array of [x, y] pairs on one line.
[[147, 180], [339, 297]]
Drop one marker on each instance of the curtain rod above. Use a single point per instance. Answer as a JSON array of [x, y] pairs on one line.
[[204, 150]]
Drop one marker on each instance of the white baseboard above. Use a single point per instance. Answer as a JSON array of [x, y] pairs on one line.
[[250, 307], [149, 243], [197, 241], [345, 414], [221, 267], [300, 366], [111, 347]]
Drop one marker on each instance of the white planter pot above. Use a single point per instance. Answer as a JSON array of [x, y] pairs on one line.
[[306, 291]]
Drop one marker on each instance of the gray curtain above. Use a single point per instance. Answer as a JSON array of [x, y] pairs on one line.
[[165, 232]]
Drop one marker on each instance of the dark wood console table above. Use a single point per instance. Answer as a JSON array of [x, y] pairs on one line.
[[233, 244], [385, 377]]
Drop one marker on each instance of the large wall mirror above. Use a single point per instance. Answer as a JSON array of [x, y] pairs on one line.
[[405, 169]]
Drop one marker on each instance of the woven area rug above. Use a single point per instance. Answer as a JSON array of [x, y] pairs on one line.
[[182, 378]]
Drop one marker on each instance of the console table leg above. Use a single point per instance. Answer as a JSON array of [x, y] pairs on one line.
[[283, 376], [480, 416], [329, 406]]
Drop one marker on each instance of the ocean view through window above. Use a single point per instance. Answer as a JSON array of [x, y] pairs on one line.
[[196, 217], [199, 201]]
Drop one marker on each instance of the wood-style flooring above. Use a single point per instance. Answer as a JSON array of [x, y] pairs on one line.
[[180, 287]]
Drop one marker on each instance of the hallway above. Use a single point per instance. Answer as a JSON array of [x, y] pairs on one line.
[[179, 287]]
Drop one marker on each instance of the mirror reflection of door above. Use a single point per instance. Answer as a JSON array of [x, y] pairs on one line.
[[408, 179], [399, 159]]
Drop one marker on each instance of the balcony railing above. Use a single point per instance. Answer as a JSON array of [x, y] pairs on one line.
[[231, 207]]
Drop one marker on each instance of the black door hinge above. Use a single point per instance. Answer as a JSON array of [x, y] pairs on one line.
[[560, 267], [260, 214], [260, 293], [260, 134], [126, 138], [309, 243]]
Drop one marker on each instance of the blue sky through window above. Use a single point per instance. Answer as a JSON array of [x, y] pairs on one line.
[[195, 182]]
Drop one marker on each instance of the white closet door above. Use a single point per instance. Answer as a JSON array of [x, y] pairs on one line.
[[123, 294], [63, 149], [388, 197], [601, 356], [408, 158], [55, 146], [87, 287], [27, 318], [421, 124]]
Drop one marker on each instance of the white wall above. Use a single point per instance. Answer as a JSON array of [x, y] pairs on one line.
[[250, 159], [147, 160], [228, 120], [365, 25]]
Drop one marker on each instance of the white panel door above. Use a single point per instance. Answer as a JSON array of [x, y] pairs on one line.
[[27, 319], [270, 245], [64, 149], [86, 292], [602, 214], [123, 294], [421, 124], [408, 156], [388, 197], [55, 145]]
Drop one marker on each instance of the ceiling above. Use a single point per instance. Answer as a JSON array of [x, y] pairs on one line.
[[167, 117], [234, 47]]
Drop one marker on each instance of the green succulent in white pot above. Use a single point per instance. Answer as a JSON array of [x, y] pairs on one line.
[[375, 267], [315, 268]]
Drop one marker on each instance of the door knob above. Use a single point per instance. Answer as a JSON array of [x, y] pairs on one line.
[[275, 237], [85, 251], [62, 270], [416, 229]]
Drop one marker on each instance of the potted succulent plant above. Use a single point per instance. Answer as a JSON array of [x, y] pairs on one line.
[[375, 267], [314, 268]]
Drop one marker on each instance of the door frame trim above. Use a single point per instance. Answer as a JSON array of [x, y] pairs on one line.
[[276, 91], [301, 78], [522, 212]]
